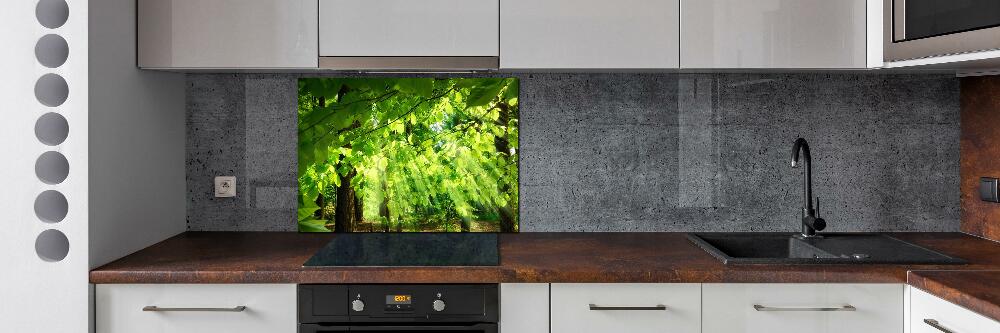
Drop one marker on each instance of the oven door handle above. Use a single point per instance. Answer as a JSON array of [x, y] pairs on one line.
[[485, 328], [482, 327], [313, 328]]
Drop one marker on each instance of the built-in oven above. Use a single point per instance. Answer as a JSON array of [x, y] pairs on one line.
[[928, 28], [385, 308]]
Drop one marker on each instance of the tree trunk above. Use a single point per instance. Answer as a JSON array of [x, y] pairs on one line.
[[321, 202], [359, 212], [383, 209], [345, 211], [506, 219], [502, 145], [466, 225]]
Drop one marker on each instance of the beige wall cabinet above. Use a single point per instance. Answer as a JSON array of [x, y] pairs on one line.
[[407, 28], [243, 34], [589, 34], [775, 34]]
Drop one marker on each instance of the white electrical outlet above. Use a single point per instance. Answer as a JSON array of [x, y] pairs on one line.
[[225, 187]]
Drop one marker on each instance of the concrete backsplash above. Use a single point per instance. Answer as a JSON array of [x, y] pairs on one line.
[[640, 152]]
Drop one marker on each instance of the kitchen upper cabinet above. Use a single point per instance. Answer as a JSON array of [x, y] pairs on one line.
[[589, 34], [626, 307], [227, 33], [930, 314], [407, 28], [817, 308], [196, 308], [775, 34]]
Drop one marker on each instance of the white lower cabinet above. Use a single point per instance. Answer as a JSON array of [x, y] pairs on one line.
[[569, 308], [524, 307], [625, 307], [815, 308], [930, 314], [196, 308]]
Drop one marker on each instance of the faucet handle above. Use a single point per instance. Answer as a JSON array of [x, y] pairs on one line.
[[818, 224], [817, 206]]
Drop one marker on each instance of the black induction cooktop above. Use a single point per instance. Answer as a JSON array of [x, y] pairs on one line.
[[408, 249]]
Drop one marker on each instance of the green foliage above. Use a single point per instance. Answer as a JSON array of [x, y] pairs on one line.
[[418, 154]]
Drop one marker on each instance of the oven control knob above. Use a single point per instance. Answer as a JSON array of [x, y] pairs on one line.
[[438, 305], [358, 305]]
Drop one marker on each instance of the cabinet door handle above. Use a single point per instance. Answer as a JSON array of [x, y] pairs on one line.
[[935, 324], [154, 308], [658, 307], [848, 307]]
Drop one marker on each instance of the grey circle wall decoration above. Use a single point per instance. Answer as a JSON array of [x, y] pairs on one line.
[[51, 50], [51, 90], [52, 167], [51, 129], [52, 245], [52, 13], [51, 206]]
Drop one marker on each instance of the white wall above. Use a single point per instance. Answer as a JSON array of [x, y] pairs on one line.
[[126, 134], [38, 295], [137, 188]]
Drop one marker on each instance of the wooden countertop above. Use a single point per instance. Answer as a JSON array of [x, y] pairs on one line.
[[978, 291], [277, 257]]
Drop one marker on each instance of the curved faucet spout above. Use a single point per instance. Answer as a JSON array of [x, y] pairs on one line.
[[810, 222], [800, 145], [807, 188]]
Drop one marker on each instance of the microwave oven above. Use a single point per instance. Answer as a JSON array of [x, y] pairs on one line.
[[915, 29]]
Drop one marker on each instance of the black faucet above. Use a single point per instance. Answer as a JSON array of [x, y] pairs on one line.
[[810, 221]]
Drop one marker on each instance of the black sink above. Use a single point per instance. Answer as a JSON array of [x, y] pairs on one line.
[[786, 248]]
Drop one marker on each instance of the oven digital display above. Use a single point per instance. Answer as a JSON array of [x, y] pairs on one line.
[[398, 299]]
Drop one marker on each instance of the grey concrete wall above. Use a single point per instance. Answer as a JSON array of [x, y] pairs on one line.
[[640, 152]]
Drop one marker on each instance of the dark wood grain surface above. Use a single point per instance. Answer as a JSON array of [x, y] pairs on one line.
[[980, 148], [276, 257], [260, 257], [978, 291]]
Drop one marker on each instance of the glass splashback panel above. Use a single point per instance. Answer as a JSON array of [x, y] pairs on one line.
[[408, 155]]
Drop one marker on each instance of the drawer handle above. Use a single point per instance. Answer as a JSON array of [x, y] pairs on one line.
[[848, 307], [658, 307], [154, 308], [935, 324]]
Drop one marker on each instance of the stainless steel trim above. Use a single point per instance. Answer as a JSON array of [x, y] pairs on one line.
[[658, 307], [848, 307], [935, 324], [410, 63], [154, 308], [958, 43]]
